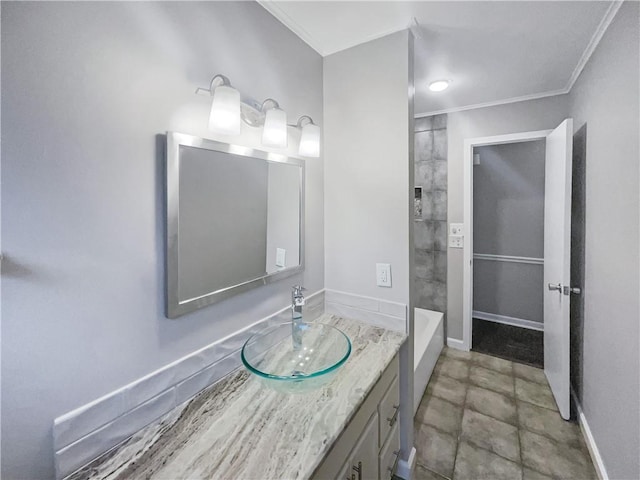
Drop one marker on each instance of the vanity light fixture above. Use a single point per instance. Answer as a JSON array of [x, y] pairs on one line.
[[228, 108], [309, 138], [274, 131], [439, 85], [225, 107]]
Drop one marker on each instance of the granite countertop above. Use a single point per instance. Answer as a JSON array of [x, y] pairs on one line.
[[240, 429]]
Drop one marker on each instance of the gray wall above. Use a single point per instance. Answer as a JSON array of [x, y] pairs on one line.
[[86, 89], [508, 219], [430, 229], [606, 98], [542, 114]]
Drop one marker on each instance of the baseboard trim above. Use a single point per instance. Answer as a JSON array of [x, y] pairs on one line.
[[594, 452], [457, 344], [406, 467], [513, 321]]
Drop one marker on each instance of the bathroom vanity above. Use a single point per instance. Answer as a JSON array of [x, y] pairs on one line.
[[241, 429]]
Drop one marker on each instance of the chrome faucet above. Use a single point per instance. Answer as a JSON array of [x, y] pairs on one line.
[[297, 302]]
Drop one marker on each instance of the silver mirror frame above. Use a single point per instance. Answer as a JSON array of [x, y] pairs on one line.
[[175, 307]]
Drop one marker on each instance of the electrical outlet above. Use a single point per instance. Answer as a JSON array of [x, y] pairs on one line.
[[456, 241], [383, 274], [456, 229]]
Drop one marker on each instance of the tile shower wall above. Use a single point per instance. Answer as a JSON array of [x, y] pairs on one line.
[[430, 229]]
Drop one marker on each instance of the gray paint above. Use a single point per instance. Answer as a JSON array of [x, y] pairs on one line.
[[87, 87], [542, 114], [508, 219], [606, 99]]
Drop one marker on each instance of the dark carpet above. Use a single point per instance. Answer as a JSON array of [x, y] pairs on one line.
[[511, 343]]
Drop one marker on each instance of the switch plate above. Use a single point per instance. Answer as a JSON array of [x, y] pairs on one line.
[[383, 274], [456, 241], [456, 229], [280, 257]]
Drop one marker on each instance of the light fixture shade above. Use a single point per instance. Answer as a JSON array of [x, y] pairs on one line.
[[310, 141], [274, 132], [439, 85], [225, 111]]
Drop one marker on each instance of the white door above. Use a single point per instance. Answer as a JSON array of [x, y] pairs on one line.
[[557, 255]]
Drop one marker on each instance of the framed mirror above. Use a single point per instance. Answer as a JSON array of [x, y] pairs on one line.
[[235, 220]]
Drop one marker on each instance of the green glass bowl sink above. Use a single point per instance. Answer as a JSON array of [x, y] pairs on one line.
[[274, 357]]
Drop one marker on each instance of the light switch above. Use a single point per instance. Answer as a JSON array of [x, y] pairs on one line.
[[456, 241], [280, 257], [383, 274], [456, 229]]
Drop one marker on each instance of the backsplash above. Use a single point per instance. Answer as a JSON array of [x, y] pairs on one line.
[[430, 228], [381, 313], [86, 432]]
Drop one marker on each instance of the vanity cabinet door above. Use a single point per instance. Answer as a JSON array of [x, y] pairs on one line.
[[388, 409], [389, 455], [364, 458]]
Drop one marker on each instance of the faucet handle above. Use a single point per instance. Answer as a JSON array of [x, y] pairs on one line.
[[298, 289]]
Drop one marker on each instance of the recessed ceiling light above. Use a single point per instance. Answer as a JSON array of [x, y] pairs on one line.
[[439, 85]]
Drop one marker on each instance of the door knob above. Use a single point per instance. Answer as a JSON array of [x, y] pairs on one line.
[[574, 290], [553, 286]]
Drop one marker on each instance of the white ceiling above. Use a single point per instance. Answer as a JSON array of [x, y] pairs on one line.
[[493, 52]]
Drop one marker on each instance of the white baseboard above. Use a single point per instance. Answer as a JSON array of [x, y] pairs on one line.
[[596, 458], [457, 344], [516, 322], [406, 467]]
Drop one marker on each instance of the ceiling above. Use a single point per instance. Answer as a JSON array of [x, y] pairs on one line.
[[493, 52]]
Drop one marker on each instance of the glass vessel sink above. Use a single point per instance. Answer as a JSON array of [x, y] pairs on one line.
[[274, 357]]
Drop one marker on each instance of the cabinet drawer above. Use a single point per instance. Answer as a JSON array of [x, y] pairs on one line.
[[389, 453], [388, 411]]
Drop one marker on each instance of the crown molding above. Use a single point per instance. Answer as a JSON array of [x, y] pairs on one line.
[[495, 103], [595, 40], [292, 25]]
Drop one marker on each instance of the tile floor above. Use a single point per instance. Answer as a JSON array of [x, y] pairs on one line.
[[483, 417]]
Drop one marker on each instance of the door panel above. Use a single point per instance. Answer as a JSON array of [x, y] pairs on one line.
[[557, 256]]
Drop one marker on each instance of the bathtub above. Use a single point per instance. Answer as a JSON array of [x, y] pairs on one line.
[[428, 341]]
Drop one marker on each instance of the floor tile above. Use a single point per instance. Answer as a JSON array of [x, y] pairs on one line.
[[439, 413], [550, 423], [531, 374], [447, 388], [483, 377], [492, 363], [452, 368], [535, 393], [490, 434], [422, 473], [475, 463], [492, 403], [435, 450], [528, 474], [456, 354], [555, 459]]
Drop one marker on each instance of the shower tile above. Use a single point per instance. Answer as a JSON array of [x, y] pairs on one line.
[[440, 237], [424, 262], [440, 145], [439, 175], [423, 123], [423, 175], [439, 121], [440, 266], [423, 290], [423, 146], [439, 205], [439, 302], [423, 235]]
